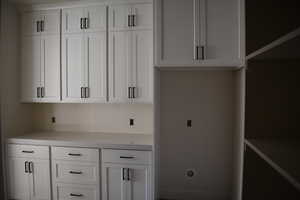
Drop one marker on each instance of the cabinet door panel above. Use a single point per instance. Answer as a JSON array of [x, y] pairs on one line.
[[143, 16], [73, 66], [97, 18], [177, 36], [139, 185], [31, 67], [96, 66], [40, 180], [18, 180], [113, 187], [118, 17], [142, 63], [51, 21], [51, 67], [71, 20], [119, 63], [29, 23]]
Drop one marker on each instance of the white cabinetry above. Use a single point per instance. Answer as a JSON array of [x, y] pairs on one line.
[[40, 56], [28, 172], [197, 32], [84, 54], [126, 175], [131, 53]]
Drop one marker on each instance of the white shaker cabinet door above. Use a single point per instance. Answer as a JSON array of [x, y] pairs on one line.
[[96, 67], [40, 180], [113, 187], [119, 66], [18, 179], [30, 68], [50, 68], [73, 70], [142, 66]]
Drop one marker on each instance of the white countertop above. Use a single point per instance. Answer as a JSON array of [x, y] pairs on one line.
[[91, 140]]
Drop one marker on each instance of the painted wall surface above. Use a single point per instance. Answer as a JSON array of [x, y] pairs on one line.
[[206, 98], [108, 118]]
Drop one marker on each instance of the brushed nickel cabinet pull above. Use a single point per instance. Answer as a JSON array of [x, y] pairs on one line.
[[75, 172], [74, 154]]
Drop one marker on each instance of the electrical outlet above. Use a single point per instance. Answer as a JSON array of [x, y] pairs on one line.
[[131, 122], [189, 123], [53, 120]]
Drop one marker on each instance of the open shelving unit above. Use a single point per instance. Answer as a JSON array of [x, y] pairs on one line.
[[272, 141]]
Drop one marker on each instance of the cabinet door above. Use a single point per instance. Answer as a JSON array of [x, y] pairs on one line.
[[96, 67], [18, 180], [119, 63], [96, 18], [139, 185], [142, 66], [119, 17], [40, 180], [73, 70], [143, 16], [113, 186], [51, 21], [30, 68], [30, 23], [71, 20], [50, 71]]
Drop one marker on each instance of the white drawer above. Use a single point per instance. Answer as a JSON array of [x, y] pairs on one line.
[[79, 173], [82, 192], [28, 151], [75, 154], [126, 156]]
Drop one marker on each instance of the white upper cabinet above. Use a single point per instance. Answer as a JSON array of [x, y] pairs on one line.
[[196, 32], [84, 55], [40, 56]]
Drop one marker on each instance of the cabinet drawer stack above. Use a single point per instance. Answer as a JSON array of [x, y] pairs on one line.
[[75, 173]]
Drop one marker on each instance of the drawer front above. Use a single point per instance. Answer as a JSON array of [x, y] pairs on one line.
[[28, 151], [79, 173], [66, 191], [75, 154], [126, 156]]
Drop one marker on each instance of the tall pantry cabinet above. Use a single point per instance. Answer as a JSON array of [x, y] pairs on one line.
[[131, 53], [40, 68]]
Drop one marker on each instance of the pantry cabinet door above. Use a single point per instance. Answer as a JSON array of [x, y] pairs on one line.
[[30, 68], [119, 66], [143, 16], [73, 70], [96, 18], [30, 24], [40, 180], [96, 67], [50, 70], [51, 21], [119, 17], [18, 179], [71, 20], [142, 66]]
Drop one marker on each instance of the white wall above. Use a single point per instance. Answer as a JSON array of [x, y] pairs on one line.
[[109, 118], [207, 98]]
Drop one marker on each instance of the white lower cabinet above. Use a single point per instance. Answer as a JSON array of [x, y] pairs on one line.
[[28, 176], [123, 181]]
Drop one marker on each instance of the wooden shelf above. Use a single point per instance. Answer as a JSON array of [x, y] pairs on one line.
[[282, 155], [286, 47]]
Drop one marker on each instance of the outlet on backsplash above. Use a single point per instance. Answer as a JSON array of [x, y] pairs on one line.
[[131, 122], [53, 120]]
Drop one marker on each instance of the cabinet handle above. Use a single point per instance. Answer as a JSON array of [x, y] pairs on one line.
[[197, 53], [129, 92], [74, 172], [30, 167], [76, 195], [124, 174], [27, 151], [26, 167], [81, 23], [127, 157], [133, 20], [37, 26], [129, 20], [133, 92], [86, 23], [42, 25], [38, 92], [86, 92], [202, 52], [74, 154], [128, 174], [82, 92], [42, 92]]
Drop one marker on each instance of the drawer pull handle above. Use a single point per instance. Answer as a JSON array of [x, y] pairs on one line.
[[74, 154], [127, 157], [27, 151], [76, 195], [74, 172]]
